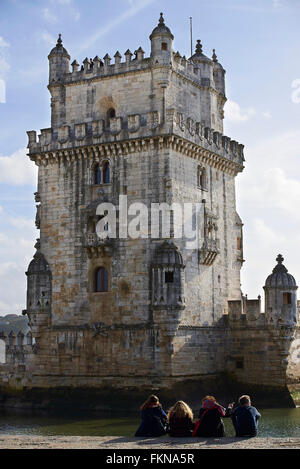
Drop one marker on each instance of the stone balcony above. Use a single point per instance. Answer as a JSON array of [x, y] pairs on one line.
[[97, 246], [209, 251]]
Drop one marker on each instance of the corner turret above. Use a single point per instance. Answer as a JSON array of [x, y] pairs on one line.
[[59, 62], [281, 296], [161, 44], [219, 74]]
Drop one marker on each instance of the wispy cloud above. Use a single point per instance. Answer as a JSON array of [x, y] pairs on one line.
[[3, 43], [47, 38], [136, 7], [54, 12], [49, 16]]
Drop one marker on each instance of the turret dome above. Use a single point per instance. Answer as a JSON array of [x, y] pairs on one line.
[[161, 29], [199, 57], [280, 278], [168, 254], [59, 49]]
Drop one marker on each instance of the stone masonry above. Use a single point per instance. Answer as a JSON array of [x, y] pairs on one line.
[[153, 128]]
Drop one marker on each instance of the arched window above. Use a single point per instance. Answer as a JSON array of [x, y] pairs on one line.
[[106, 172], [97, 174], [101, 280]]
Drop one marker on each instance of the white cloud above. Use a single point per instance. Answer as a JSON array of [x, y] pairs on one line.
[[17, 169], [49, 16], [3, 43], [267, 114], [234, 113], [17, 239], [268, 198], [52, 15], [48, 38]]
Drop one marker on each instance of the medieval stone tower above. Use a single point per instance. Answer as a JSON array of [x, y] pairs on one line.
[[143, 311]]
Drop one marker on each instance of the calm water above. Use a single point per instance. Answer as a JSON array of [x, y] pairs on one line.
[[274, 422]]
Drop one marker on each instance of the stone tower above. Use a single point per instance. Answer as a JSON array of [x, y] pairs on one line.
[[281, 296], [147, 310]]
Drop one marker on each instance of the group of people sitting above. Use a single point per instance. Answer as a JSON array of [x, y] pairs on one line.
[[179, 422]]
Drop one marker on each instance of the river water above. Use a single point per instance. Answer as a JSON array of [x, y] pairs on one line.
[[274, 423]]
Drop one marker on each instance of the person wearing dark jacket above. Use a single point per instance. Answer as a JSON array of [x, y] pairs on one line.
[[245, 418], [154, 419], [180, 420], [210, 423]]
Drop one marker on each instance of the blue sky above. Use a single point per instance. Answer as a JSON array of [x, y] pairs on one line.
[[258, 44]]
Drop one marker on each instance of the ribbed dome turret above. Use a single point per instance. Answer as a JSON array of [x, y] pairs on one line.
[[161, 29], [168, 254], [217, 64], [280, 278], [59, 49], [199, 57]]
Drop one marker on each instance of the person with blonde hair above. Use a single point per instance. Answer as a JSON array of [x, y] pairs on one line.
[[180, 420], [154, 419], [210, 423]]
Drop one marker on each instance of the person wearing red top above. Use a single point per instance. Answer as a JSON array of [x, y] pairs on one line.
[[210, 423]]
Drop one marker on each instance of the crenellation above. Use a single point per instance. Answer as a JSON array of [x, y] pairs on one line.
[[143, 126]]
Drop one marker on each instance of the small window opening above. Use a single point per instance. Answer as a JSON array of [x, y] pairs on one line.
[[111, 113], [106, 172], [101, 280], [164, 46], [287, 298], [239, 364], [239, 243], [169, 277], [97, 174]]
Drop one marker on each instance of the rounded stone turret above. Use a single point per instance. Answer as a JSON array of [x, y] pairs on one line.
[[281, 296], [202, 62], [59, 62], [161, 43], [168, 277], [218, 73]]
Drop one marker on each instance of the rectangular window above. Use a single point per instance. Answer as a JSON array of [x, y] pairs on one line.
[[287, 298], [169, 277], [239, 364], [239, 243], [164, 46]]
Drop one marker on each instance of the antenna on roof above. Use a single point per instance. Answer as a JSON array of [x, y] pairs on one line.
[[191, 31]]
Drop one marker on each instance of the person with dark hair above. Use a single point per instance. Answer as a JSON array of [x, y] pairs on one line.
[[245, 418], [154, 419], [180, 420], [210, 423]]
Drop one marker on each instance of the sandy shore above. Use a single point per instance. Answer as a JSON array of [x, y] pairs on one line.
[[164, 443]]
